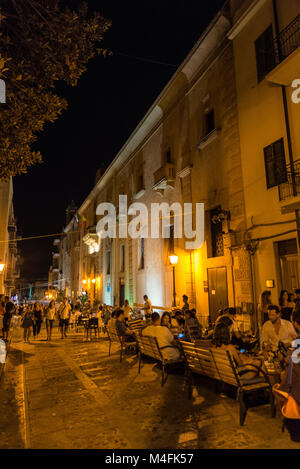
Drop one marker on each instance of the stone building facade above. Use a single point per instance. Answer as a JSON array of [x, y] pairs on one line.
[[9, 258], [266, 43], [185, 150]]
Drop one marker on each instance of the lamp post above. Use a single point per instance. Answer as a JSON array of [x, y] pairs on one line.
[[173, 261]]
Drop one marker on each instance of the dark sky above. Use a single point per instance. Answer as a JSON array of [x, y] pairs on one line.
[[109, 101]]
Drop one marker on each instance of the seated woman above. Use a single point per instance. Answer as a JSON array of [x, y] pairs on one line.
[[166, 320], [222, 339]]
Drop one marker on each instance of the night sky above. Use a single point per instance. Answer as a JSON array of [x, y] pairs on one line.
[[108, 103]]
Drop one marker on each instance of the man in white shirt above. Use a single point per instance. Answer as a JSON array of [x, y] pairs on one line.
[[164, 337], [147, 306], [276, 330]]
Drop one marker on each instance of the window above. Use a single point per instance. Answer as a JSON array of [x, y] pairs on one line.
[[275, 164], [287, 247], [217, 246], [108, 262], [265, 55], [169, 156], [209, 121], [122, 258], [142, 254]]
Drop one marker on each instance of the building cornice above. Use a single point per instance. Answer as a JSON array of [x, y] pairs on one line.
[[247, 16]]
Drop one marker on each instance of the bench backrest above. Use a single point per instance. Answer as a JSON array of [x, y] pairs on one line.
[[199, 360], [149, 346], [212, 362], [225, 366]]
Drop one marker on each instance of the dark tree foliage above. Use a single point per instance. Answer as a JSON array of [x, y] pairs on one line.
[[41, 42]]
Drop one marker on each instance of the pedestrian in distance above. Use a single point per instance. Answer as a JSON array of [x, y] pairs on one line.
[[51, 314], [37, 319], [9, 308], [64, 312], [27, 322]]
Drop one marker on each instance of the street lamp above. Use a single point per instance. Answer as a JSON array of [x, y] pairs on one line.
[[173, 261]]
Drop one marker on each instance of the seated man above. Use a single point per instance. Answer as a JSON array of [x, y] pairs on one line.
[[121, 327], [276, 330], [164, 338]]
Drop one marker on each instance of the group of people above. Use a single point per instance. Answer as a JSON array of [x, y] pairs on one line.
[[160, 326], [31, 317], [275, 321]]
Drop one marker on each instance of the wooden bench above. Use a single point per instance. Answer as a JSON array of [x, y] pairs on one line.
[[218, 364], [113, 336], [148, 346]]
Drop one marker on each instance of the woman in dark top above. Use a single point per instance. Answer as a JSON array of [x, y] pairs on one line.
[[285, 307], [37, 319], [9, 308]]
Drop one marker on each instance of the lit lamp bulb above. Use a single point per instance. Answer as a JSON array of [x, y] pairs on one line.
[[173, 259], [2, 267], [84, 282], [93, 281]]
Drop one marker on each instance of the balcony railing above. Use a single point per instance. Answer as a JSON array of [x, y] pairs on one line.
[[287, 41], [164, 176], [291, 188]]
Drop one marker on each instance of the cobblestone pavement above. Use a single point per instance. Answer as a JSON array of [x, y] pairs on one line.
[[70, 394]]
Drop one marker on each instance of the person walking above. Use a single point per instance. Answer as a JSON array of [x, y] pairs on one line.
[[9, 308], [147, 307], [2, 311], [64, 312], [27, 322], [37, 319], [51, 313]]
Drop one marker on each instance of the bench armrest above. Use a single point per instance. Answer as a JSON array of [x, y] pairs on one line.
[[258, 368], [169, 346]]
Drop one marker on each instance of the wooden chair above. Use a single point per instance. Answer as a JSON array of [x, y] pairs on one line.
[[137, 325], [113, 336], [92, 325]]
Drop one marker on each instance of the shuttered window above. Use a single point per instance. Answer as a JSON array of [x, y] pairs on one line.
[[275, 164], [265, 54]]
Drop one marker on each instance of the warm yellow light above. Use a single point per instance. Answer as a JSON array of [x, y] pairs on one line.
[[2, 267], [93, 281], [173, 259], [84, 282]]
